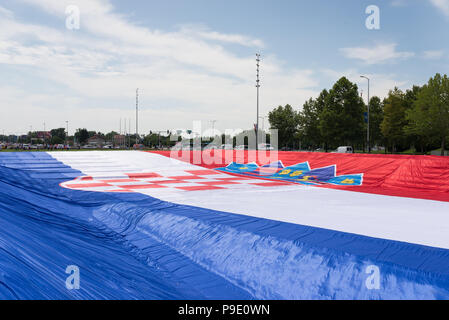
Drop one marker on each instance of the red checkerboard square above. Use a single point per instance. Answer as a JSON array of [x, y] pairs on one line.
[[143, 175], [202, 172]]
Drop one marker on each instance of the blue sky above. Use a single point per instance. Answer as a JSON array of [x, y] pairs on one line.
[[194, 60]]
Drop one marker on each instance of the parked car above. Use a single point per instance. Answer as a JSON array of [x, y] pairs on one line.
[[241, 147], [344, 149]]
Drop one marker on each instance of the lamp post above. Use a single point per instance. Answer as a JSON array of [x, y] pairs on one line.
[[257, 86], [213, 128], [137, 116], [367, 130], [67, 135]]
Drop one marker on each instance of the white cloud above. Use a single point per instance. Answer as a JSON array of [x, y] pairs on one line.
[[381, 53], [6, 13], [442, 5], [89, 75], [204, 33], [433, 54]]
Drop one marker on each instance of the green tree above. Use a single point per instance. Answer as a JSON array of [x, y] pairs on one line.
[[60, 133], [82, 135], [376, 118], [286, 121], [429, 116], [309, 121], [56, 140], [341, 121], [411, 95], [152, 139], [110, 136], [394, 121]]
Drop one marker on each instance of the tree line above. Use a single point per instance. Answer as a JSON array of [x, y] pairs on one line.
[[415, 119]]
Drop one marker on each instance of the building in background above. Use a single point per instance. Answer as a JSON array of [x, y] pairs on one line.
[[118, 140], [43, 135], [96, 140]]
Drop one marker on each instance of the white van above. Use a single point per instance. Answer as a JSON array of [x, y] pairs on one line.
[[265, 146], [344, 149]]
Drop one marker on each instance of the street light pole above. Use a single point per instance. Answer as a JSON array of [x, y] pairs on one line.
[[137, 115], [124, 136], [67, 135], [367, 130], [213, 128], [257, 86]]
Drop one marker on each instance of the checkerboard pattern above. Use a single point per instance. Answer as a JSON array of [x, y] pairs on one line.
[[189, 180]]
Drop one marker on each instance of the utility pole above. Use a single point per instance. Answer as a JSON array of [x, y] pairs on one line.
[[129, 132], [367, 129], [44, 135], [126, 133], [67, 135], [137, 115], [257, 87], [213, 128]]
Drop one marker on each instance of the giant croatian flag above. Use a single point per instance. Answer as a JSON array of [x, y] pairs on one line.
[[141, 225]]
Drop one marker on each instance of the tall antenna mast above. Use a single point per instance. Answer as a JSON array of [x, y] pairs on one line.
[[257, 86], [67, 136], [124, 138], [137, 115], [213, 128]]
